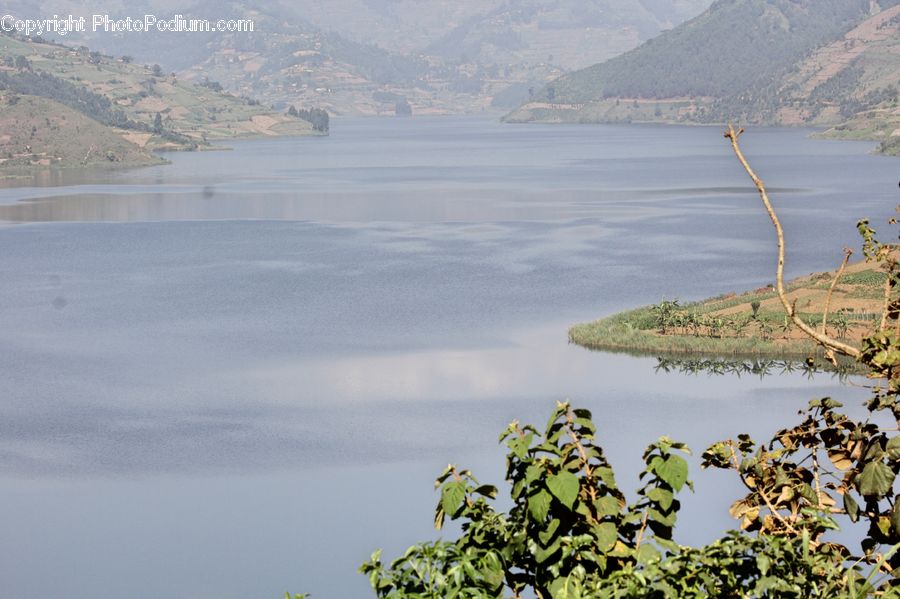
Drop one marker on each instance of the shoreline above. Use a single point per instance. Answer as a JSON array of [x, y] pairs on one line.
[[751, 324]]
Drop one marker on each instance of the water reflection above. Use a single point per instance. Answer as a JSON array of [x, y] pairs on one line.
[[299, 411], [53, 177], [760, 367], [210, 202]]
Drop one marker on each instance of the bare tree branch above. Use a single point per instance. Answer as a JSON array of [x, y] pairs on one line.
[[847, 253], [820, 338], [888, 287]]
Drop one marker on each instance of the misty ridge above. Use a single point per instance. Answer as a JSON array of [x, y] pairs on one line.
[[360, 57], [826, 63]]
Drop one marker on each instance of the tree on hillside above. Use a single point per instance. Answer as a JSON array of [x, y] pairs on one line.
[[77, 97], [403, 108], [316, 116], [213, 85]]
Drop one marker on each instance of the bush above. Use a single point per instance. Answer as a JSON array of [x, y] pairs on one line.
[[571, 534]]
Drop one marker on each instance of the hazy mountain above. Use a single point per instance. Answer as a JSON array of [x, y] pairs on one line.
[[410, 26], [65, 105], [174, 51], [360, 55], [732, 47], [570, 33], [753, 61]]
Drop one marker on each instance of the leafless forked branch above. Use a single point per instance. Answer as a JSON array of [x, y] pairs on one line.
[[831, 345]]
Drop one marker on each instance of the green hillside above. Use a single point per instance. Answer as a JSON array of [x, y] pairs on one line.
[[734, 46], [832, 63], [139, 104], [40, 132]]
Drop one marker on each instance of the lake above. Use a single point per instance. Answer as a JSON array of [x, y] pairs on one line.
[[239, 374]]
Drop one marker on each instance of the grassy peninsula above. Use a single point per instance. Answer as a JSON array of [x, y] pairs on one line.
[[747, 324]]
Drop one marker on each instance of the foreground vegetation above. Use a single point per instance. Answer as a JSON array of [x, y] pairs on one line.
[[571, 532]]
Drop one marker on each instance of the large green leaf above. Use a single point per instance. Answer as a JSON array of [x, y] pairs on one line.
[[660, 496], [548, 533], [667, 520], [647, 554], [673, 470], [764, 563], [564, 486], [895, 518], [606, 535], [532, 473], [489, 491], [452, 496], [539, 505], [893, 449], [606, 506], [875, 480], [851, 507], [542, 554], [519, 446], [606, 475]]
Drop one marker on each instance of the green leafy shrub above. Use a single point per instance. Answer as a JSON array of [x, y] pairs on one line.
[[571, 533], [754, 306]]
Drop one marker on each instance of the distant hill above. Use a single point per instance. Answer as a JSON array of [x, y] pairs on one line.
[[569, 33], [575, 33], [822, 62], [40, 132], [442, 57], [732, 47], [137, 104], [465, 56], [296, 64], [850, 84], [289, 61]]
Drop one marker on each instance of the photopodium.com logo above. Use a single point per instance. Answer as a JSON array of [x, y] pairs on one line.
[[63, 26]]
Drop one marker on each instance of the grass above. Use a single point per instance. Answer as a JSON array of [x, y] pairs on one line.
[[629, 331], [750, 325], [868, 278]]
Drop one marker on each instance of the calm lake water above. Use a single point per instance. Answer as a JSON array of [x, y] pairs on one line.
[[239, 374]]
